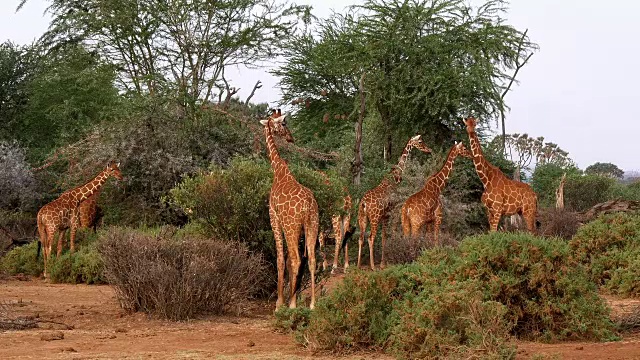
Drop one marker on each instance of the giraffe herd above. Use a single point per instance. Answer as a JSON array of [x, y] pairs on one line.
[[293, 209]]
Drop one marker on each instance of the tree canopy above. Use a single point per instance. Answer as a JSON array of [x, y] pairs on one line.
[[605, 169], [427, 64], [179, 47]]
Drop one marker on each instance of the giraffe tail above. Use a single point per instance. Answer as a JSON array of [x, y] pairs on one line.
[[348, 233], [42, 234]]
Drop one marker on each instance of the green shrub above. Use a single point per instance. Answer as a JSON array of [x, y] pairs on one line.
[[609, 247], [83, 266], [547, 297], [233, 203], [451, 320], [292, 320], [581, 192], [464, 302], [22, 260]]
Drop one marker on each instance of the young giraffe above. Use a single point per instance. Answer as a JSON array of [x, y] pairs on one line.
[[89, 213], [61, 213], [341, 225], [425, 207], [375, 205], [502, 196], [292, 208]]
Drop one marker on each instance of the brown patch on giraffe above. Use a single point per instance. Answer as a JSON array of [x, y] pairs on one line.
[[374, 205], [502, 196], [62, 213], [424, 208], [292, 210]]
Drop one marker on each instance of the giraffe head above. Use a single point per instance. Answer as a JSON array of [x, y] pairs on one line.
[[461, 150], [417, 142], [278, 123], [114, 169], [470, 122]]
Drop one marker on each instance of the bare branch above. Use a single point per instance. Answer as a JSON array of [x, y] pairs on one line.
[[258, 85]]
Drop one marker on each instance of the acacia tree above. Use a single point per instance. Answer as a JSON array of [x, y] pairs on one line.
[[178, 47], [427, 62], [524, 150], [17, 68], [605, 169]]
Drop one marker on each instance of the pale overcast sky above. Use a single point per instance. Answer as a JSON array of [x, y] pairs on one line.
[[574, 92]]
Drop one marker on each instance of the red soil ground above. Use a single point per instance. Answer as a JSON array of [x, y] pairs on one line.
[[101, 330]]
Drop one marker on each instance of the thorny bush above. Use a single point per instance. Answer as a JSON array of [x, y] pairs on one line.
[[178, 277]]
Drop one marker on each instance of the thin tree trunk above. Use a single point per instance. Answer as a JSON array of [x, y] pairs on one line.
[[560, 193], [358, 161]]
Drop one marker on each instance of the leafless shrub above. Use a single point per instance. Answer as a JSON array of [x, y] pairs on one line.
[[8, 321], [17, 184], [629, 320], [177, 277], [558, 222]]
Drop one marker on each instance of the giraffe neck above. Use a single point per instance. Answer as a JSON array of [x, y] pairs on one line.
[[279, 166], [439, 179], [482, 166], [397, 171], [85, 191]]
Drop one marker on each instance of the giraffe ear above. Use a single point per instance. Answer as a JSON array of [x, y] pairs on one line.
[[264, 122], [118, 164], [417, 137]]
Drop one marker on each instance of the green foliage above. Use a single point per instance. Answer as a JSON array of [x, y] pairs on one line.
[[609, 247], [423, 62], [180, 47], [547, 297], [83, 266], [292, 320], [583, 192], [605, 169], [71, 92], [545, 181], [464, 302], [233, 202], [456, 315], [17, 67], [22, 260]]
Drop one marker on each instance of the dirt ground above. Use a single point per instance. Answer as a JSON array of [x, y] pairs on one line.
[[101, 330]]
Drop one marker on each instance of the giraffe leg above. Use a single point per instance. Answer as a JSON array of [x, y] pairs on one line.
[[346, 221], [416, 226], [362, 224], [436, 225], [323, 253], [372, 237], [61, 239], [338, 234], [47, 252], [530, 219], [277, 234], [385, 223], [292, 237], [405, 220], [494, 220], [311, 233], [75, 223]]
